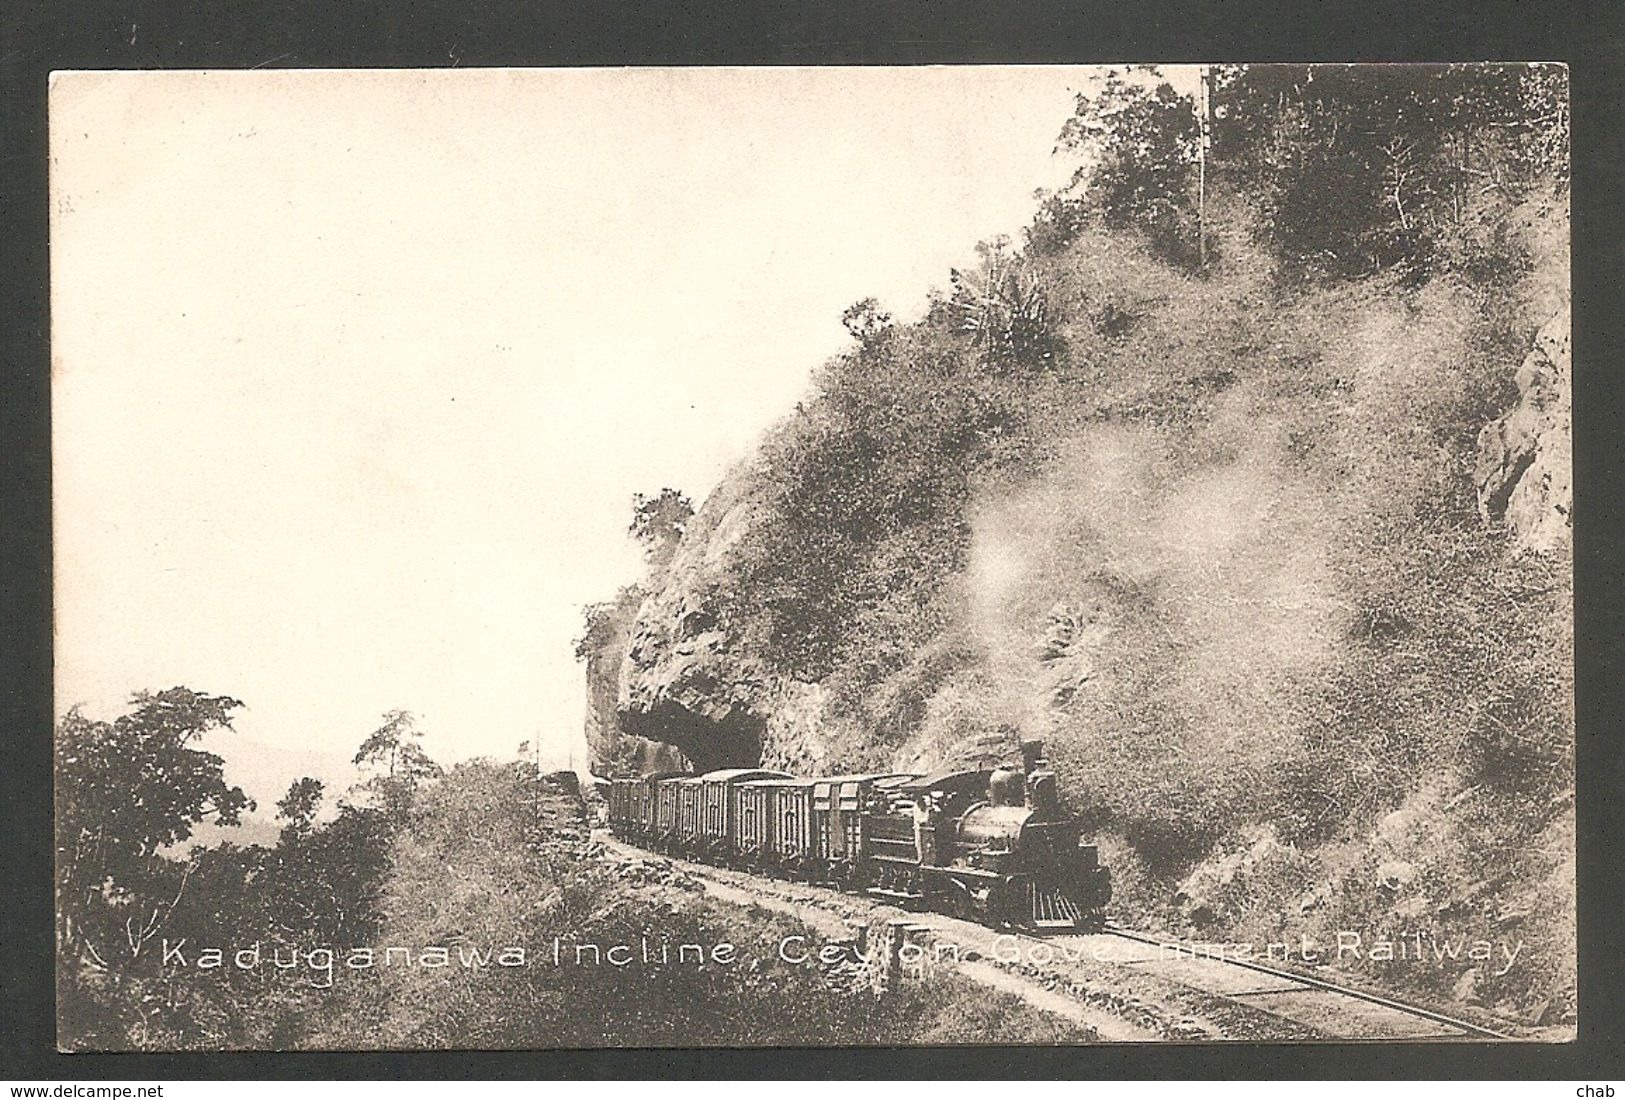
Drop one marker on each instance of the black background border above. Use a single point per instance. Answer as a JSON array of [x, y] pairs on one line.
[[106, 34]]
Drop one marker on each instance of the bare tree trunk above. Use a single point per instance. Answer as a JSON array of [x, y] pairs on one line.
[[1201, 167]]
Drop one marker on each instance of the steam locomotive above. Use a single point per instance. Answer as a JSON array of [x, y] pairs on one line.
[[992, 845]]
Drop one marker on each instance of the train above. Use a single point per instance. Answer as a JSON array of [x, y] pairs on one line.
[[992, 845]]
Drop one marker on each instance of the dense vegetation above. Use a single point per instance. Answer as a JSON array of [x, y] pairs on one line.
[[393, 924], [138, 909], [496, 857], [1106, 316], [1184, 482]]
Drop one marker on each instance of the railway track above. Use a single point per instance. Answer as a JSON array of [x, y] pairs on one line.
[[1353, 1013], [1168, 988]]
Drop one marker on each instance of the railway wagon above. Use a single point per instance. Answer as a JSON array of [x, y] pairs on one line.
[[991, 844], [810, 827], [665, 801], [687, 804], [619, 796], [702, 809], [627, 811], [785, 805], [753, 824], [838, 804], [717, 806], [632, 805]]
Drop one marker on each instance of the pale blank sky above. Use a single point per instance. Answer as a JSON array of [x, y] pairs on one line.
[[355, 373]]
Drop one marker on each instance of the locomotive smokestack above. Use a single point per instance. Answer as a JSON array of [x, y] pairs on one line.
[[1032, 756]]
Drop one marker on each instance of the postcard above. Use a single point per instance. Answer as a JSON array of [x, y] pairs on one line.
[[812, 556]]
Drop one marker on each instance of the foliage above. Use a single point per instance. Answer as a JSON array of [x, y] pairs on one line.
[[658, 522], [1141, 140], [299, 806], [601, 621], [1405, 155], [394, 753], [120, 986], [866, 322], [497, 857], [866, 495], [127, 789], [1352, 169], [1004, 309]]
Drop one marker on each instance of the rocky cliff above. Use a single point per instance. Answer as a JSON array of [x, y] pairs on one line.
[[1525, 458], [1257, 566], [615, 751], [684, 679]]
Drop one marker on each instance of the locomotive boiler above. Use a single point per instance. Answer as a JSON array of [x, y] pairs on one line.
[[993, 845]]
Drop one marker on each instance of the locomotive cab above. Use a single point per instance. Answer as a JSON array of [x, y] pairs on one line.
[[1021, 832]]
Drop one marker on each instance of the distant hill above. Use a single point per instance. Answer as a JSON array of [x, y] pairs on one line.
[[265, 771], [252, 830]]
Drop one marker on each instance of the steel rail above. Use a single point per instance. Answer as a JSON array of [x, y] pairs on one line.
[[1358, 994], [1114, 929]]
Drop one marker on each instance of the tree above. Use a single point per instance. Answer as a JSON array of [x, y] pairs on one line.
[[866, 321], [599, 622], [324, 881], [299, 806], [395, 756], [1350, 169], [1359, 168], [126, 790], [1141, 141], [1004, 309], [394, 750], [658, 522]]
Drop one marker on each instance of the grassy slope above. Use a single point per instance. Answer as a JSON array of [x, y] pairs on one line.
[[1224, 553], [1318, 661], [495, 860]]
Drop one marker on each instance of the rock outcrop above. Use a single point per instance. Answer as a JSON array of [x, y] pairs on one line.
[[615, 751], [682, 682], [671, 686], [1525, 458]]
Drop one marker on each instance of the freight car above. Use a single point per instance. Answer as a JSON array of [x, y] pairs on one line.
[[992, 845]]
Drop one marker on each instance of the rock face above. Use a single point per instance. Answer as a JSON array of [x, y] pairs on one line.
[[1223, 885], [681, 681], [616, 752], [1073, 637], [671, 688], [1525, 459]]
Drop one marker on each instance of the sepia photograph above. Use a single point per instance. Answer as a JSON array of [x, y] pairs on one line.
[[892, 556]]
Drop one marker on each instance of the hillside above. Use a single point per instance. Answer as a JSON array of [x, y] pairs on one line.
[[497, 859], [1272, 548]]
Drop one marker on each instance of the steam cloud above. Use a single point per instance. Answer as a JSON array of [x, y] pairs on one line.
[[1214, 573]]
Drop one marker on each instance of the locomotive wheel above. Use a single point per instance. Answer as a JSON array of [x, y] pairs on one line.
[[1001, 906], [965, 902]]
